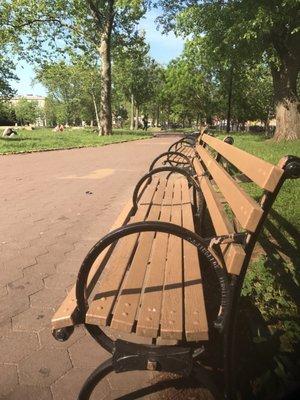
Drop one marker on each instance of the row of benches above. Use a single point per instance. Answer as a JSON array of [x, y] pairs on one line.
[[164, 274]]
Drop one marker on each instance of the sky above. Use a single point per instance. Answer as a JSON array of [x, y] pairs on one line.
[[163, 48]]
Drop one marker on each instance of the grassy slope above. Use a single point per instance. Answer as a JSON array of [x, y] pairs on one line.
[[46, 139], [273, 279], [270, 151]]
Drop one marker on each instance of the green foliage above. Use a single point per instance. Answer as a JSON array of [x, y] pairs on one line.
[[7, 113], [237, 34], [272, 280], [26, 111], [270, 295], [134, 73], [46, 139], [74, 89]]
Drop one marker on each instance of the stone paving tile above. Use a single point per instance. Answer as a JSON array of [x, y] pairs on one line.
[[68, 386], [47, 298], [5, 328], [32, 320], [60, 249], [17, 345], [21, 261], [12, 306], [27, 284], [51, 258], [3, 291], [87, 353], [61, 280], [8, 379], [24, 392], [9, 274], [71, 265], [44, 367], [40, 269]]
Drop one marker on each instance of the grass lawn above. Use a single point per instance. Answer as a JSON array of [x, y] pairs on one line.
[[273, 279], [46, 139]]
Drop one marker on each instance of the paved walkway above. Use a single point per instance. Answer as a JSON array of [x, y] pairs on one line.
[[54, 206]]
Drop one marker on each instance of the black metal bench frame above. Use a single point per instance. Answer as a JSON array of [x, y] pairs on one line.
[[184, 358]]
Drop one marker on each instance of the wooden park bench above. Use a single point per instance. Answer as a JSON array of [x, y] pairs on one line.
[[159, 275]]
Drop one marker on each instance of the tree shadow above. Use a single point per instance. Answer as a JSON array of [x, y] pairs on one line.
[[282, 246], [15, 139], [269, 347], [265, 370]]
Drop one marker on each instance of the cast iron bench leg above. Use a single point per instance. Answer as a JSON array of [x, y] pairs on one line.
[[96, 376]]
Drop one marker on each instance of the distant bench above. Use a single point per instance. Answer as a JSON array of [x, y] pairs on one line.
[[147, 277]]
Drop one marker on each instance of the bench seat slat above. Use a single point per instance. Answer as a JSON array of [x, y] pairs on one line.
[[126, 308], [171, 315], [100, 309], [148, 319], [233, 254], [196, 326], [261, 172], [247, 211]]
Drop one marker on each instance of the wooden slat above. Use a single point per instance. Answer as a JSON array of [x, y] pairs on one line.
[[66, 313], [261, 172], [233, 254], [196, 327], [171, 315], [148, 320], [129, 299], [247, 211], [108, 288]]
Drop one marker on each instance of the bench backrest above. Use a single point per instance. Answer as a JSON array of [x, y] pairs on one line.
[[219, 186]]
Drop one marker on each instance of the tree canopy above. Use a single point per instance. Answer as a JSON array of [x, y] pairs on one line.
[[39, 29], [244, 31]]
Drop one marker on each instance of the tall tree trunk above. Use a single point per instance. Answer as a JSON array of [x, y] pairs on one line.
[[229, 99], [96, 112], [157, 116], [287, 103], [105, 55], [137, 117], [132, 113]]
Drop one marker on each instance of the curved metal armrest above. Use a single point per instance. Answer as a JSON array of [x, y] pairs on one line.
[[192, 181], [152, 226], [171, 153], [183, 140]]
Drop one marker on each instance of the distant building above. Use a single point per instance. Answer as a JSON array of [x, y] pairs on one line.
[[40, 100]]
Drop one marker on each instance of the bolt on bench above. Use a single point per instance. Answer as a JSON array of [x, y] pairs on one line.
[[147, 277]]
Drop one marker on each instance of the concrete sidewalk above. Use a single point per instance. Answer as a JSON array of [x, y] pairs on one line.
[[54, 207]]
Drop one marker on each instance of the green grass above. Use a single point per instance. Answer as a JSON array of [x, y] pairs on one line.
[[46, 139], [273, 279], [287, 203]]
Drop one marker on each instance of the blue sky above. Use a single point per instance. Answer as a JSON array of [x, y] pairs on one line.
[[163, 48]]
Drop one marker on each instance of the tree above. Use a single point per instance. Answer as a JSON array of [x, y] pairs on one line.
[[26, 111], [7, 113], [73, 89], [85, 26], [135, 76], [250, 31], [6, 75]]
